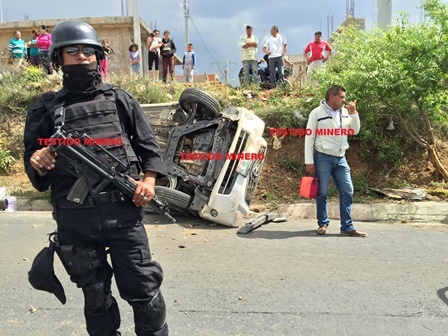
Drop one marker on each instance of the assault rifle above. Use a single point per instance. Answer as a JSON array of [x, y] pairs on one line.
[[93, 172]]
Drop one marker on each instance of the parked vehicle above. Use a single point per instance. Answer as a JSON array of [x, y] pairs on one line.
[[213, 156]]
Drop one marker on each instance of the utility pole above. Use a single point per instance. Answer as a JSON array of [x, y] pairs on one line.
[[226, 69], [123, 11], [422, 14], [136, 25], [187, 15], [1, 10]]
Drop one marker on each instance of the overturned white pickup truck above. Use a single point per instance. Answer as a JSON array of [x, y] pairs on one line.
[[213, 157]]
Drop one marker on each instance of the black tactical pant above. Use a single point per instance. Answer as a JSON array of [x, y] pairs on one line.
[[138, 277]]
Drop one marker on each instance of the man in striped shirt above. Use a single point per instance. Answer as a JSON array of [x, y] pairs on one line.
[[17, 48]]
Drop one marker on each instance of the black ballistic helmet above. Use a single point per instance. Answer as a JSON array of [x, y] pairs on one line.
[[69, 33]]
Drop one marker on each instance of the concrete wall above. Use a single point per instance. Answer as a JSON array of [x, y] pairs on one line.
[[298, 75]]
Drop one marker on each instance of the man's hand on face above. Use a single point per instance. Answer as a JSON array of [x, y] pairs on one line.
[[351, 107]]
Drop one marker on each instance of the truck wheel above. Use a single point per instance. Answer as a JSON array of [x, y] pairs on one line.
[[178, 201], [207, 106]]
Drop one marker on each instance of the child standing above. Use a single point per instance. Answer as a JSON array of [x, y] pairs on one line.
[[188, 63], [104, 63], [134, 58]]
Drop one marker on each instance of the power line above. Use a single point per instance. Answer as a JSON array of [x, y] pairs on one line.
[[226, 69], [205, 46], [177, 3], [180, 3]]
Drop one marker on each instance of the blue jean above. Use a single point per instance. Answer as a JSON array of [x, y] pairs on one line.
[[136, 68], [251, 65], [336, 167], [276, 62]]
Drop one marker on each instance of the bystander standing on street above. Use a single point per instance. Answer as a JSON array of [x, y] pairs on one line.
[[325, 156]]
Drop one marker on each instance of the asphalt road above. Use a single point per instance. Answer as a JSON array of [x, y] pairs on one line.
[[281, 279]]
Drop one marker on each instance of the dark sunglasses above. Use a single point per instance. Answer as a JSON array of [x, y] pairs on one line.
[[73, 51]]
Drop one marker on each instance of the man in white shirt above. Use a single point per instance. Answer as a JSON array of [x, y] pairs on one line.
[[275, 47], [325, 148]]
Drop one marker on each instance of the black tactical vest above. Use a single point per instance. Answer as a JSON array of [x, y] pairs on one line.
[[98, 118]]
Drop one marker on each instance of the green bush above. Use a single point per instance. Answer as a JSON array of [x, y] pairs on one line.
[[146, 91], [6, 161], [33, 74], [289, 163], [360, 184]]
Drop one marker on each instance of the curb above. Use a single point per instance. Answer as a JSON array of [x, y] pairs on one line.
[[420, 212], [24, 204]]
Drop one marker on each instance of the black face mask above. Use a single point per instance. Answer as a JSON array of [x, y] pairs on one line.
[[82, 78]]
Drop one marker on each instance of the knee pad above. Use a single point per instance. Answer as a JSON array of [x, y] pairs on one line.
[[149, 316], [98, 297]]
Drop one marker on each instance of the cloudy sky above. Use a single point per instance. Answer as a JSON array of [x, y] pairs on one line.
[[214, 26]]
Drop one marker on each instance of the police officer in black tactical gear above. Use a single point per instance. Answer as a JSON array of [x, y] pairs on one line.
[[110, 219]]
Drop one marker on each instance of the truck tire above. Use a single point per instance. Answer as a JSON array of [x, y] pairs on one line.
[[207, 106], [178, 201]]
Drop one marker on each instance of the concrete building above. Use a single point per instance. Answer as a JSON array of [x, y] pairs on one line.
[[118, 30], [384, 13]]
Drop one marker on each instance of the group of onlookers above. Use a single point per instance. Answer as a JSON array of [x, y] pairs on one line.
[[164, 49], [35, 51], [158, 47], [274, 47]]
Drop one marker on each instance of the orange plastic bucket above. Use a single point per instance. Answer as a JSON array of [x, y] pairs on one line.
[[309, 186]]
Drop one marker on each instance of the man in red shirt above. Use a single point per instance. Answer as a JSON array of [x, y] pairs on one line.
[[315, 54]]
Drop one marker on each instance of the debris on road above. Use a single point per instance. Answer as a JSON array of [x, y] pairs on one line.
[[261, 220]]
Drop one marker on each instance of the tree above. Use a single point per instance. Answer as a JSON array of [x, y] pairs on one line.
[[397, 74]]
